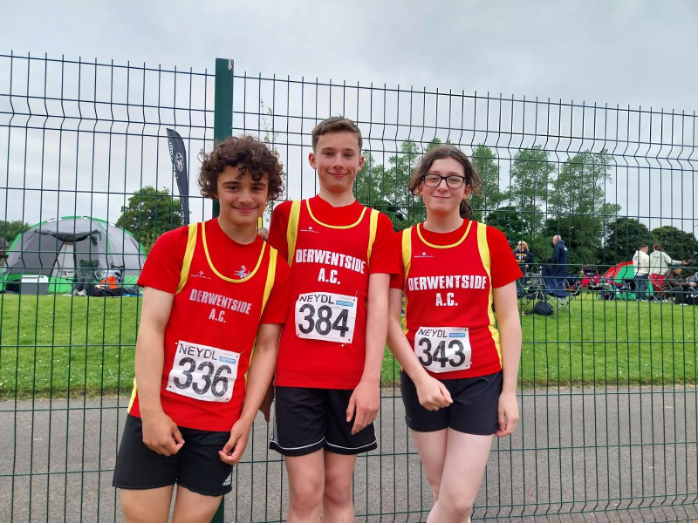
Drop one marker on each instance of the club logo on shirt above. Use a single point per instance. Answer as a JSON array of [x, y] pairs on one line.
[[179, 161], [310, 229], [423, 256], [200, 275], [242, 273]]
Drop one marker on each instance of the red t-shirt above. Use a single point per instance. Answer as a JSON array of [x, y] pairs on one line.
[[450, 322], [323, 342], [214, 320]]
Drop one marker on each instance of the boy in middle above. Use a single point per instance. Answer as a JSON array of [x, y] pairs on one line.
[[332, 346]]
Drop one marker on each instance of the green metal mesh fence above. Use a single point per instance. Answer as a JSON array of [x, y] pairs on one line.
[[608, 383]]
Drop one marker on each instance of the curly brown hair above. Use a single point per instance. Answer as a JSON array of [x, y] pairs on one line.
[[250, 156]]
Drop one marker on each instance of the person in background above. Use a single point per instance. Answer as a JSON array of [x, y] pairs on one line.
[[3, 251], [524, 257], [675, 287], [659, 263], [641, 271]]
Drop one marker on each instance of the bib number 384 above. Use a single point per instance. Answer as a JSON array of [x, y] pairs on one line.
[[203, 372], [443, 349], [326, 316]]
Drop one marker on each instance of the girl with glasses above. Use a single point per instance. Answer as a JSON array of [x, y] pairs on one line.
[[459, 369]]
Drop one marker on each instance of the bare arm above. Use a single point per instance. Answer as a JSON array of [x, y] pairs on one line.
[[508, 318], [431, 393], [365, 398], [259, 377], [261, 369], [160, 434]]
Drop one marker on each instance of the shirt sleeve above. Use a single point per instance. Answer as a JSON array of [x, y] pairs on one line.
[[504, 267], [397, 279], [164, 262], [383, 259], [278, 302], [278, 229]]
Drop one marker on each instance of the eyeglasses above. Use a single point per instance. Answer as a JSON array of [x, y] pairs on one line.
[[454, 182]]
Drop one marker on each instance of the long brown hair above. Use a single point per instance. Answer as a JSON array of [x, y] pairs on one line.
[[444, 152]]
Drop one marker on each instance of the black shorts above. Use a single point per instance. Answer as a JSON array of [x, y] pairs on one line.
[[474, 408], [197, 466], [310, 419]]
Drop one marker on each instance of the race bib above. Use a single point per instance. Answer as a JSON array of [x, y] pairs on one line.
[[443, 349], [203, 372], [326, 316]]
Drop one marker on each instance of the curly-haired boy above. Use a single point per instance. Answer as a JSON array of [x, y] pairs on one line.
[[211, 290]]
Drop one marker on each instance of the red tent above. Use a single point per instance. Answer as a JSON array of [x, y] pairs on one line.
[[620, 271]]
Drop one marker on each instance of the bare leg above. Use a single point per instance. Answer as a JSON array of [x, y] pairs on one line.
[[337, 492], [432, 447], [465, 462], [306, 480], [191, 507], [148, 505]]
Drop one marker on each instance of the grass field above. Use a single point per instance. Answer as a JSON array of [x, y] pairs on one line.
[[72, 346]]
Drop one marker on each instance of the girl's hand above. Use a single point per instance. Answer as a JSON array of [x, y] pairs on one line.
[[507, 414], [432, 394]]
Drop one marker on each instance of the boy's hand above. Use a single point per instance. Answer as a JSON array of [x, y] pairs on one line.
[[432, 394], [364, 403], [160, 434], [235, 446]]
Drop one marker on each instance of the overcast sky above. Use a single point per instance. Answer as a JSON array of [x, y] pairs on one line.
[[627, 52], [637, 53]]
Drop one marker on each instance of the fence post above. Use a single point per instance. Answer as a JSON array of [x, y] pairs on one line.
[[223, 106], [223, 124]]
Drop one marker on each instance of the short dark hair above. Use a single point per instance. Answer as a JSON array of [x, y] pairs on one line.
[[656, 247], [250, 156], [335, 125]]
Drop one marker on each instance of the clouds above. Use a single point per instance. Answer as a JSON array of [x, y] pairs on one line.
[[623, 52]]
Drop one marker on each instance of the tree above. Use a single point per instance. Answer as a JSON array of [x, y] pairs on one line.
[[530, 177], [677, 243], [509, 221], [486, 166], [11, 229], [391, 186], [623, 237], [577, 203], [150, 213]]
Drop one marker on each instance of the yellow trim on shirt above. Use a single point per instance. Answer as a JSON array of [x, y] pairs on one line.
[[406, 256], [189, 253], [308, 207], [373, 218], [133, 397], [420, 236], [292, 230], [485, 254], [270, 280], [219, 274]]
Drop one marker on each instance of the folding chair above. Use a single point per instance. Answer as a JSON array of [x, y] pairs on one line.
[[557, 293]]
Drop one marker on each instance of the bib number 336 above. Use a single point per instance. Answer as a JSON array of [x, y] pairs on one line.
[[203, 372], [443, 349], [326, 317]]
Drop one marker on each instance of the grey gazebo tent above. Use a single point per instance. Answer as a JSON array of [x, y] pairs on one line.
[[70, 249]]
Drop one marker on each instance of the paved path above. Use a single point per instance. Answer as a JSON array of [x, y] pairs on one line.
[[578, 455]]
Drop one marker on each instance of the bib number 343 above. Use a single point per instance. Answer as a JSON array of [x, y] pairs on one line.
[[443, 349], [203, 372], [326, 316]]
